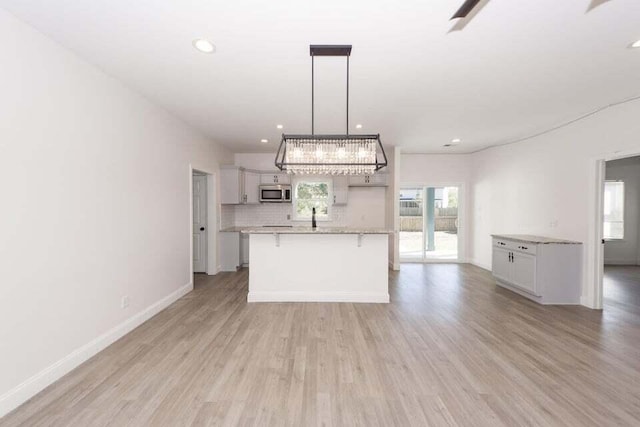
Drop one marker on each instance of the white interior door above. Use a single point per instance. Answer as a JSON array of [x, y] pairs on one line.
[[199, 223]]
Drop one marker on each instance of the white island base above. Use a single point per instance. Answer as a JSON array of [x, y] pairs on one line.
[[320, 267]]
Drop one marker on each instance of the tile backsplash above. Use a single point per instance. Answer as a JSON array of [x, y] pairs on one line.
[[271, 214]]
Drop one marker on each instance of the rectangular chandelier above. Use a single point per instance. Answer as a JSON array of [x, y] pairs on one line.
[[331, 154]]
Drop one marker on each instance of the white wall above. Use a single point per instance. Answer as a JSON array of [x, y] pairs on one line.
[[625, 251], [95, 205], [435, 168], [442, 169], [546, 185]]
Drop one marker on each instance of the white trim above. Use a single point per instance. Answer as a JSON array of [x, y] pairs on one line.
[[212, 226], [620, 261], [480, 264], [213, 215], [433, 261], [592, 295], [32, 386], [355, 297]]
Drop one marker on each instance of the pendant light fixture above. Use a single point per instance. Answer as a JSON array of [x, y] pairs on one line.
[[330, 154]]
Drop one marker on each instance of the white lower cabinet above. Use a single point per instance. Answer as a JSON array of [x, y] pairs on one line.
[[229, 250], [548, 271], [244, 249], [234, 250]]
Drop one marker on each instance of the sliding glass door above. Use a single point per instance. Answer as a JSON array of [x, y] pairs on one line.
[[429, 224]]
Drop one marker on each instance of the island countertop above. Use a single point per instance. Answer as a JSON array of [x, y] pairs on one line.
[[310, 230]]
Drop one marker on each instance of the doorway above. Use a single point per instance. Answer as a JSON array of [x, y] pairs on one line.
[[429, 223], [199, 210], [621, 231], [203, 221]]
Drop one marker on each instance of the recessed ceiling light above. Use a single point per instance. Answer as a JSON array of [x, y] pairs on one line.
[[448, 145], [204, 46], [635, 45], [264, 141], [455, 140], [358, 126], [279, 126]]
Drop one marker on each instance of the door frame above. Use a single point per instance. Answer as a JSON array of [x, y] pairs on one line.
[[211, 266], [197, 173], [462, 216], [593, 297]]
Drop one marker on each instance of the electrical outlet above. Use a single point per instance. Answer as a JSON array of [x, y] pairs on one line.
[[288, 216], [125, 301]]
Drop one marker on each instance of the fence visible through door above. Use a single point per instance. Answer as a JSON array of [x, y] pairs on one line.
[[429, 223]]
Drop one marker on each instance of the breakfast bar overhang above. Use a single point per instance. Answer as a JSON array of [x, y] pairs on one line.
[[305, 264]]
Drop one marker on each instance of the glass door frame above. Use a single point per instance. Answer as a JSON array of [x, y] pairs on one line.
[[462, 210]]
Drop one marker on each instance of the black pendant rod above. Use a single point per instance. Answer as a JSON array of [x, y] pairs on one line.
[[312, 97], [347, 95], [327, 50]]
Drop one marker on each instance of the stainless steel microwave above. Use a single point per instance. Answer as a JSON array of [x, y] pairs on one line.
[[275, 193]]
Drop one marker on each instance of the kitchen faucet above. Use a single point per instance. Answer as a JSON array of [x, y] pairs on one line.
[[313, 218]]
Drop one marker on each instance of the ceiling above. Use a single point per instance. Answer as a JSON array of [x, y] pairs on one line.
[[508, 71]]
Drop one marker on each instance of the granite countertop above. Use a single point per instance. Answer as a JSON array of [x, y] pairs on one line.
[[306, 230], [232, 229], [535, 239]]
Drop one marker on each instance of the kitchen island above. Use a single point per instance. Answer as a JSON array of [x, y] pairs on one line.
[[290, 264]]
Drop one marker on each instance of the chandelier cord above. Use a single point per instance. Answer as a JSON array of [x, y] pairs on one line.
[[312, 96]]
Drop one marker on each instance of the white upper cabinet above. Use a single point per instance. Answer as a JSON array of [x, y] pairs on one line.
[[231, 185], [275, 178], [374, 180], [340, 190], [238, 186], [251, 187]]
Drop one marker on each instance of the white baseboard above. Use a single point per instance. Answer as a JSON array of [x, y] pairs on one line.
[[32, 386], [318, 297], [588, 303], [479, 264], [620, 262]]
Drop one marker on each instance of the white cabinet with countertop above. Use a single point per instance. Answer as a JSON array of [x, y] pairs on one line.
[[546, 270]]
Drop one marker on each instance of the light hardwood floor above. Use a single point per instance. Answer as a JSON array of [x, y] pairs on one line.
[[451, 349]]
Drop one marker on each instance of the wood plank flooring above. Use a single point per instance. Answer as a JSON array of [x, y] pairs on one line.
[[451, 349]]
